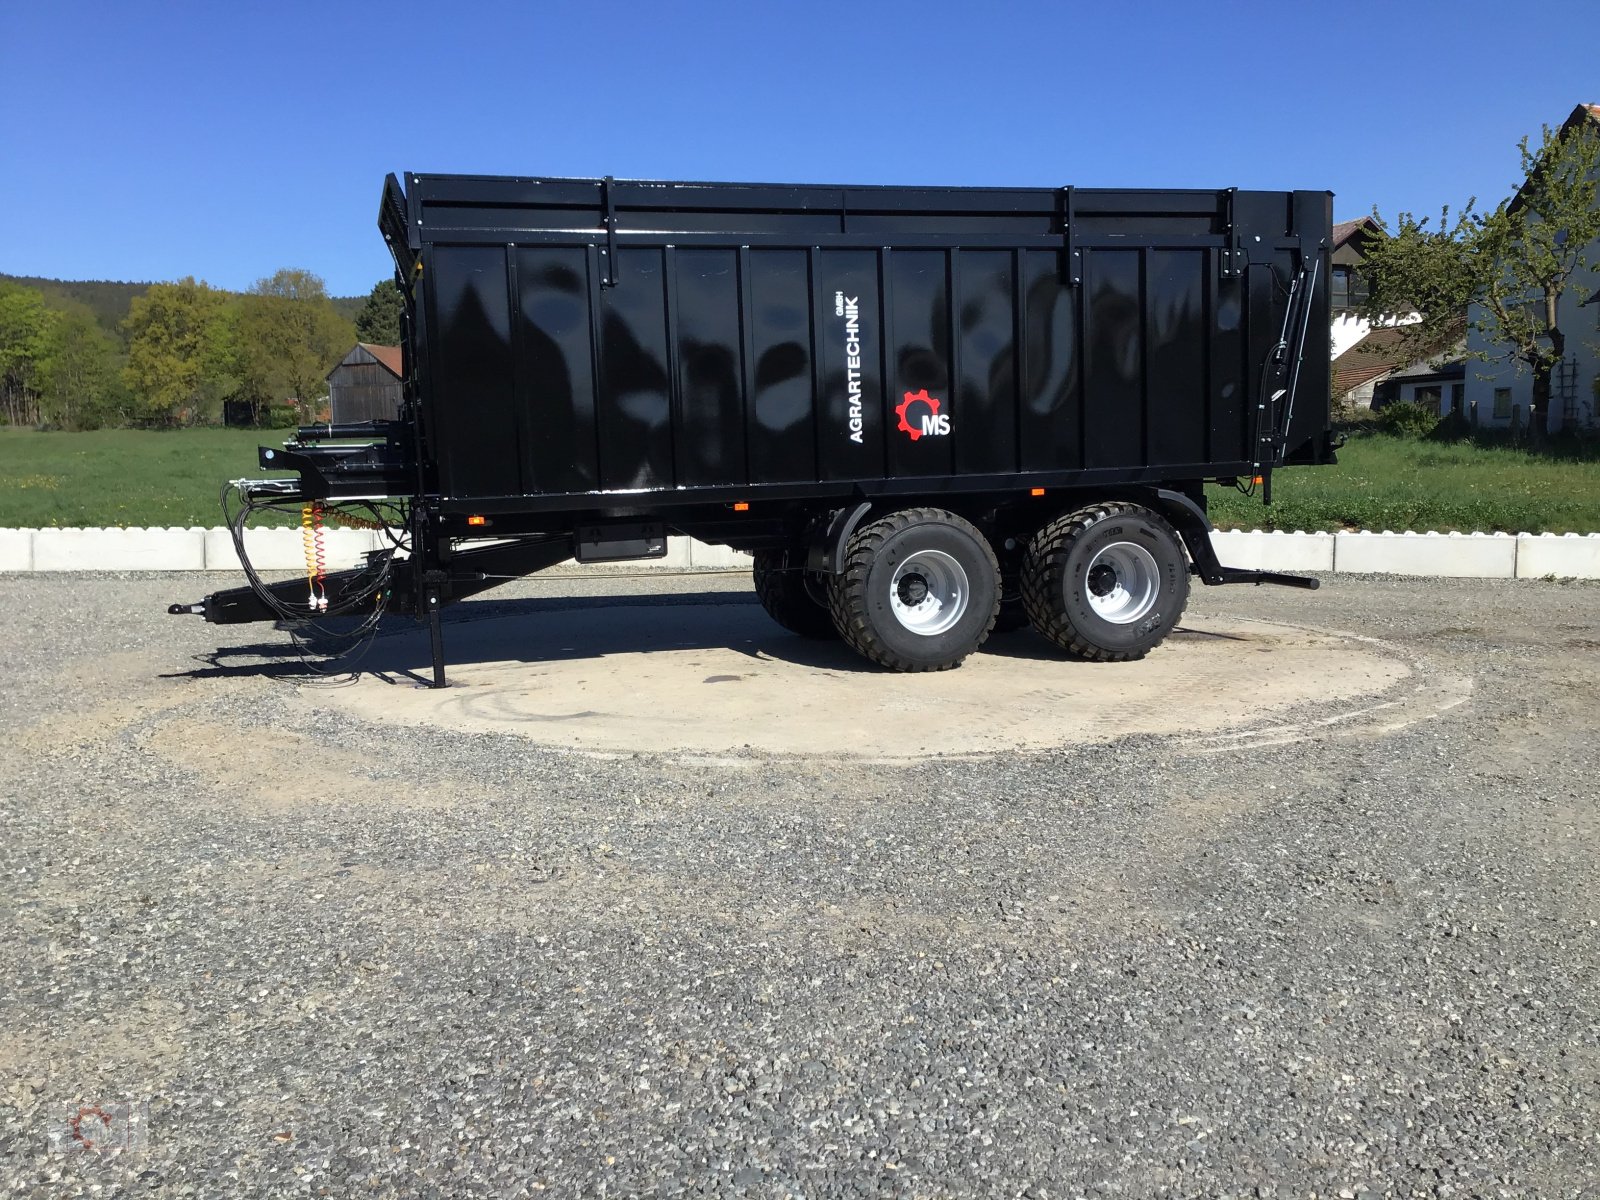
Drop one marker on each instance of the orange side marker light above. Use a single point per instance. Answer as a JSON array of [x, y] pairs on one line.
[[741, 506], [1035, 491], [477, 520]]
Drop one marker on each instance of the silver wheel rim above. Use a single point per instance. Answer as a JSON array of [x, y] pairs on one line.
[[928, 593], [1122, 582]]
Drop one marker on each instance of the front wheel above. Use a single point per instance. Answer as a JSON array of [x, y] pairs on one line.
[[1107, 583], [790, 594], [919, 590]]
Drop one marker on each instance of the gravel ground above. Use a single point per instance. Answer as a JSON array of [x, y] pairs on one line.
[[344, 959]]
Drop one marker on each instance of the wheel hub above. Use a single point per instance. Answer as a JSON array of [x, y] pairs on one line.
[[1124, 583], [929, 592], [913, 590]]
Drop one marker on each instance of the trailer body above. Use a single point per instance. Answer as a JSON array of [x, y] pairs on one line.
[[601, 362]]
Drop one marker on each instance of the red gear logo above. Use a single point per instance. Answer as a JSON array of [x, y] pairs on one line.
[[904, 406]]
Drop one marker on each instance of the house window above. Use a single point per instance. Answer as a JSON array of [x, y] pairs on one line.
[[1428, 396], [1458, 397], [1502, 404], [1349, 288]]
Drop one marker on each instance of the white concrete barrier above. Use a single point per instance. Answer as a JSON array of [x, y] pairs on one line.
[[1258, 550], [704, 557], [680, 556], [1566, 556], [284, 549], [1465, 555], [16, 549], [1495, 556], [119, 550]]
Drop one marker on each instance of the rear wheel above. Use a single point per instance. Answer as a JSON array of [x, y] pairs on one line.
[[919, 590], [790, 595], [1107, 583]]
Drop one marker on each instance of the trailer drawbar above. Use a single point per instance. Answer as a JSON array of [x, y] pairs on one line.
[[928, 413]]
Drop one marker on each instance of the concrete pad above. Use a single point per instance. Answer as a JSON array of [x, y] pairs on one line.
[[1258, 550], [1460, 555], [1569, 556], [711, 680]]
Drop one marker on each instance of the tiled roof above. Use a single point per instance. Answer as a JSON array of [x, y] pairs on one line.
[[1343, 231], [389, 356], [1380, 352]]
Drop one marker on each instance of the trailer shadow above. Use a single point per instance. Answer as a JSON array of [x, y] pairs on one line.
[[535, 630], [541, 631], [556, 629]]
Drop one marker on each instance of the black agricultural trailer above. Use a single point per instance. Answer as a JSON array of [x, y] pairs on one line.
[[926, 412]]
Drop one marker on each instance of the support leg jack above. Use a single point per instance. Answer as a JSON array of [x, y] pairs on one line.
[[435, 636], [1213, 572]]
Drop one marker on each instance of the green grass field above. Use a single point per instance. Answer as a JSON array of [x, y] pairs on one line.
[[123, 476], [1395, 483], [131, 477]]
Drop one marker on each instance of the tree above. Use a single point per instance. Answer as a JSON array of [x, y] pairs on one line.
[[290, 337], [24, 322], [1512, 265], [379, 319], [1541, 238], [181, 353], [80, 377]]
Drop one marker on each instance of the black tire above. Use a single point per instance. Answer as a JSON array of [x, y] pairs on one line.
[[1107, 583], [881, 596], [781, 587]]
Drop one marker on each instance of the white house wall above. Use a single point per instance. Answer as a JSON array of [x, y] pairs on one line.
[[1406, 393], [1582, 327], [1347, 330]]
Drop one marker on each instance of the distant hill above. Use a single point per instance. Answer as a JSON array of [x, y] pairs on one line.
[[348, 307], [109, 300]]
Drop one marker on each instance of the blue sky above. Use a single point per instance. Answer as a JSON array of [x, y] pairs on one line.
[[227, 139]]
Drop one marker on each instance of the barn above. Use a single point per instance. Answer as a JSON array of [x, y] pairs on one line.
[[366, 385]]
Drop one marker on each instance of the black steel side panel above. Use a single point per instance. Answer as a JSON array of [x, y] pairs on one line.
[[554, 350], [628, 340], [780, 365]]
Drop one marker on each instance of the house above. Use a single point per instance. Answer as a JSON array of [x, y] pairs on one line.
[[1347, 289], [366, 385], [1374, 366], [1359, 369], [1382, 369], [1502, 392], [1438, 387]]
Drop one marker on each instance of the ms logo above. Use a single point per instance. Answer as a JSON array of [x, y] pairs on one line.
[[919, 414]]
